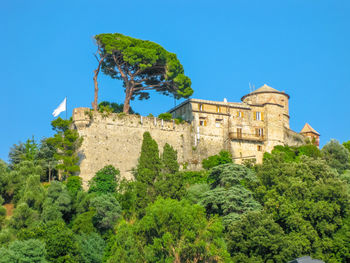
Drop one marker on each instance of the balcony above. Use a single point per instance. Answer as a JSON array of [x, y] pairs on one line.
[[246, 137]]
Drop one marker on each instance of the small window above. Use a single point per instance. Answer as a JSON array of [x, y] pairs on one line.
[[259, 148], [218, 123], [257, 116], [259, 132], [218, 109], [202, 122], [200, 107], [240, 114]]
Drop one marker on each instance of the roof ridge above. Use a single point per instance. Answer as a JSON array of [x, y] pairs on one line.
[[307, 128]]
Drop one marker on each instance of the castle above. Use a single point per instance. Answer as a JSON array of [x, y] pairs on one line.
[[246, 129]]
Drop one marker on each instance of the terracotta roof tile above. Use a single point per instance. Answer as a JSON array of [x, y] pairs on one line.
[[308, 128]]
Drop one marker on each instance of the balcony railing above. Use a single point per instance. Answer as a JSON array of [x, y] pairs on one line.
[[246, 137]]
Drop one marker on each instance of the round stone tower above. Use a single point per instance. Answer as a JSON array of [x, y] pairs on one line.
[[265, 96]]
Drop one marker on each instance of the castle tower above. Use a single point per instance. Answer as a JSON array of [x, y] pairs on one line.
[[267, 95], [274, 105], [310, 133]]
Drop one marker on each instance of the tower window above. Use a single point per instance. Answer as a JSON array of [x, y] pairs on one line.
[[200, 107], [218, 123], [258, 116], [259, 148], [259, 132], [202, 122]]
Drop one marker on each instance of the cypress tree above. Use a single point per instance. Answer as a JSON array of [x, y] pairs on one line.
[[146, 173], [169, 159], [149, 161]]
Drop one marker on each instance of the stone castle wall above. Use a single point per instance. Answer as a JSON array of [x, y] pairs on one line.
[[116, 139]]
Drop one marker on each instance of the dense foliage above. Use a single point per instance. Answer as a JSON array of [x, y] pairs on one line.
[[142, 66], [296, 203]]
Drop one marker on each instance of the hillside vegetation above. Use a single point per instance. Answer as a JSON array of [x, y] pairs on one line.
[[295, 203]]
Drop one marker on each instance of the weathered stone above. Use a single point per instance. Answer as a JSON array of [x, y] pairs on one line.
[[246, 129]]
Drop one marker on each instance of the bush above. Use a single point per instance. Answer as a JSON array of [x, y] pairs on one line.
[[165, 116], [215, 160], [105, 181]]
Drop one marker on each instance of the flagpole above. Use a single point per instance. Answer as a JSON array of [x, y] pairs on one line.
[[66, 107]]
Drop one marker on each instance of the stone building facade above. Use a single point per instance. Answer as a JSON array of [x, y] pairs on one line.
[[246, 129]]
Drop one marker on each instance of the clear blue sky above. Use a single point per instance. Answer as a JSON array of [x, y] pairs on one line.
[[299, 46]]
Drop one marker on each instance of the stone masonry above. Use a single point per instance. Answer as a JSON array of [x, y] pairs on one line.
[[246, 129]]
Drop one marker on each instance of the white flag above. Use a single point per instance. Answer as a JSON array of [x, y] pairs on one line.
[[62, 107]]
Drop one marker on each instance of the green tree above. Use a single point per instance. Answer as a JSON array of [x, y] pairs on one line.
[[169, 159], [347, 145], [16, 179], [165, 116], [306, 198], [4, 177], [125, 247], [310, 150], [83, 223], [67, 142], [146, 173], [195, 192], [228, 196], [29, 251], [33, 193], [91, 247], [116, 107], [342, 242], [105, 181], [23, 152], [58, 201], [170, 231], [170, 186], [336, 155], [17, 151], [215, 160], [46, 158], [2, 213], [177, 231], [60, 242], [108, 211], [142, 66], [257, 238], [23, 217], [74, 185], [149, 158]]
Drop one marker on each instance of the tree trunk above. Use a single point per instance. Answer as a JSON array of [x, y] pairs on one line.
[[128, 95], [96, 71]]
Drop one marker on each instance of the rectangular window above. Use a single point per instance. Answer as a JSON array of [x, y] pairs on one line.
[[239, 133], [240, 114], [200, 107], [218, 109], [258, 116], [259, 132], [218, 123], [259, 148], [202, 121]]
